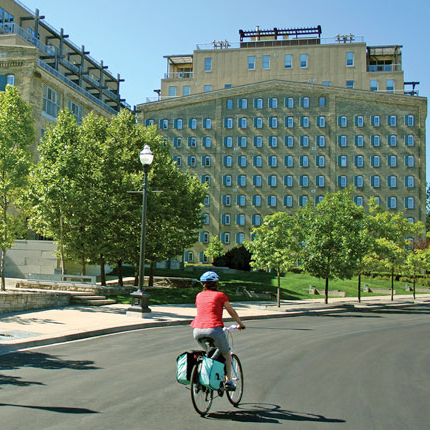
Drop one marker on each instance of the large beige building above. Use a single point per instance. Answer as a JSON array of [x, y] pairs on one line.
[[275, 122], [50, 71]]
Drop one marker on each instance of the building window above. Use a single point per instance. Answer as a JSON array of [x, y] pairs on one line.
[[76, 110], [409, 182], [342, 161], [409, 161], [257, 161], [359, 181], [289, 141], [226, 199], [359, 160], [303, 61], [392, 140], [288, 201], [242, 141], [241, 161], [226, 180], [304, 102], [6, 80], [304, 121], [322, 101], [342, 181], [392, 160], [272, 180], [289, 121], [207, 123], [358, 200], [375, 140], [207, 88], [241, 200], [271, 201], [320, 181], [241, 180], [389, 85], [373, 85], [192, 161], [186, 89], [321, 121], [359, 140], [256, 200], [240, 238], [251, 62], [225, 219], [242, 122], [192, 123], [410, 120], [320, 140], [342, 121], [242, 103], [359, 121], [273, 122], [304, 180], [228, 141], [303, 200], [208, 64], [256, 220], [228, 122], [375, 181], [206, 142], [258, 103], [266, 62], [288, 61], [257, 181], [326, 83], [349, 59], [204, 237], [172, 91], [273, 141], [272, 161], [178, 161], [409, 140], [178, 124], [177, 142], [288, 181], [227, 161], [375, 161], [192, 142], [289, 102], [258, 122], [258, 141], [51, 102], [350, 84], [392, 120], [342, 141], [304, 161], [289, 161], [320, 161], [409, 203], [225, 238], [273, 102], [392, 181], [304, 141], [392, 202]]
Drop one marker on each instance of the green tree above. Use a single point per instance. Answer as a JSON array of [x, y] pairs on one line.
[[275, 246], [16, 137], [428, 207], [394, 239], [215, 248], [332, 233]]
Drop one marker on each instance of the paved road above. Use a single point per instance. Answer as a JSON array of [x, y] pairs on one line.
[[362, 370]]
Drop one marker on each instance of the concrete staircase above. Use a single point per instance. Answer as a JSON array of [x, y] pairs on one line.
[[89, 299]]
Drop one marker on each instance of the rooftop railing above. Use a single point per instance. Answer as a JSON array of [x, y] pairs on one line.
[[179, 75], [384, 68]]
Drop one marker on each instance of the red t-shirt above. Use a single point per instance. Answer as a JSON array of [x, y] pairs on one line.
[[210, 305]]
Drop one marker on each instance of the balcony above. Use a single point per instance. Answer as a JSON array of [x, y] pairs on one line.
[[384, 68], [179, 75]]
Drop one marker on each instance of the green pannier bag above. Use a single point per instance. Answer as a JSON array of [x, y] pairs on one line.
[[212, 373], [184, 366]]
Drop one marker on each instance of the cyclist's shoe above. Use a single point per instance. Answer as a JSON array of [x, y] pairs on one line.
[[229, 386]]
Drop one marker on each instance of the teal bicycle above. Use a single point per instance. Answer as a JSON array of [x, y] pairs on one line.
[[203, 395]]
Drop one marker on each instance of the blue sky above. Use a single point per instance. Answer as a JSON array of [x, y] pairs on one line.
[[132, 36]]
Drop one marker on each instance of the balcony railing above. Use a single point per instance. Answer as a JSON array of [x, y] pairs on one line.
[[384, 68], [179, 75], [71, 84]]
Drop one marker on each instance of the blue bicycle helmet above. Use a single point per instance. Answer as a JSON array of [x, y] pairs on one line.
[[209, 277]]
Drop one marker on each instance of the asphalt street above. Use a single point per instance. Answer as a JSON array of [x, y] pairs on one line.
[[360, 370]]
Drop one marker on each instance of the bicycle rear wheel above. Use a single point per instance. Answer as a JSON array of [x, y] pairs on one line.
[[201, 396], [234, 397]]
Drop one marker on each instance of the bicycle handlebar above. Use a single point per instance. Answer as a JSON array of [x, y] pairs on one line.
[[232, 327]]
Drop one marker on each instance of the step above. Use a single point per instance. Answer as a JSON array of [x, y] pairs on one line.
[[96, 302], [89, 297]]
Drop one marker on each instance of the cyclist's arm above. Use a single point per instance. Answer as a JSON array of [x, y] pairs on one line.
[[229, 308]]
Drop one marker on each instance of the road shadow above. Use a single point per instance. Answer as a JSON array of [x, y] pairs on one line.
[[269, 414], [60, 409]]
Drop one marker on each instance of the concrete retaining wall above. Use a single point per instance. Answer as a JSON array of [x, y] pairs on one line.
[[13, 301]]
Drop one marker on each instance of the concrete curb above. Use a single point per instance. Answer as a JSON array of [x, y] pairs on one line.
[[277, 313]]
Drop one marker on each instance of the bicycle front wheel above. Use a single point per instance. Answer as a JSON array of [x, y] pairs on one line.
[[201, 396], [234, 397]]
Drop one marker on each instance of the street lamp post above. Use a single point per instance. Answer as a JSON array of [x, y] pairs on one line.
[[140, 299]]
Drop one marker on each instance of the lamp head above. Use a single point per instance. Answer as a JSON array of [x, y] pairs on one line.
[[146, 156]]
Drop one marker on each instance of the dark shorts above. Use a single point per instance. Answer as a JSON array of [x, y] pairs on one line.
[[218, 336]]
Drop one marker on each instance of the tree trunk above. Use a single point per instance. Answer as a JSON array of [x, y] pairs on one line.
[[136, 276], [63, 263], [151, 274], [326, 291], [415, 277], [102, 270], [3, 280], [278, 295], [84, 267], [120, 277], [392, 284], [359, 288]]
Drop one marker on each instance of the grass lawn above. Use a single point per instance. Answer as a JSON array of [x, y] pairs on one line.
[[293, 287]]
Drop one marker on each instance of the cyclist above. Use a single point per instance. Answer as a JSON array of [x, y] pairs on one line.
[[210, 304]]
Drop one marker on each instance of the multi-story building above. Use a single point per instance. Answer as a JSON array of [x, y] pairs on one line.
[[50, 71], [274, 123]]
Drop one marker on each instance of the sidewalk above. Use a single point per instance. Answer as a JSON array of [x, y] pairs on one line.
[[44, 327]]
